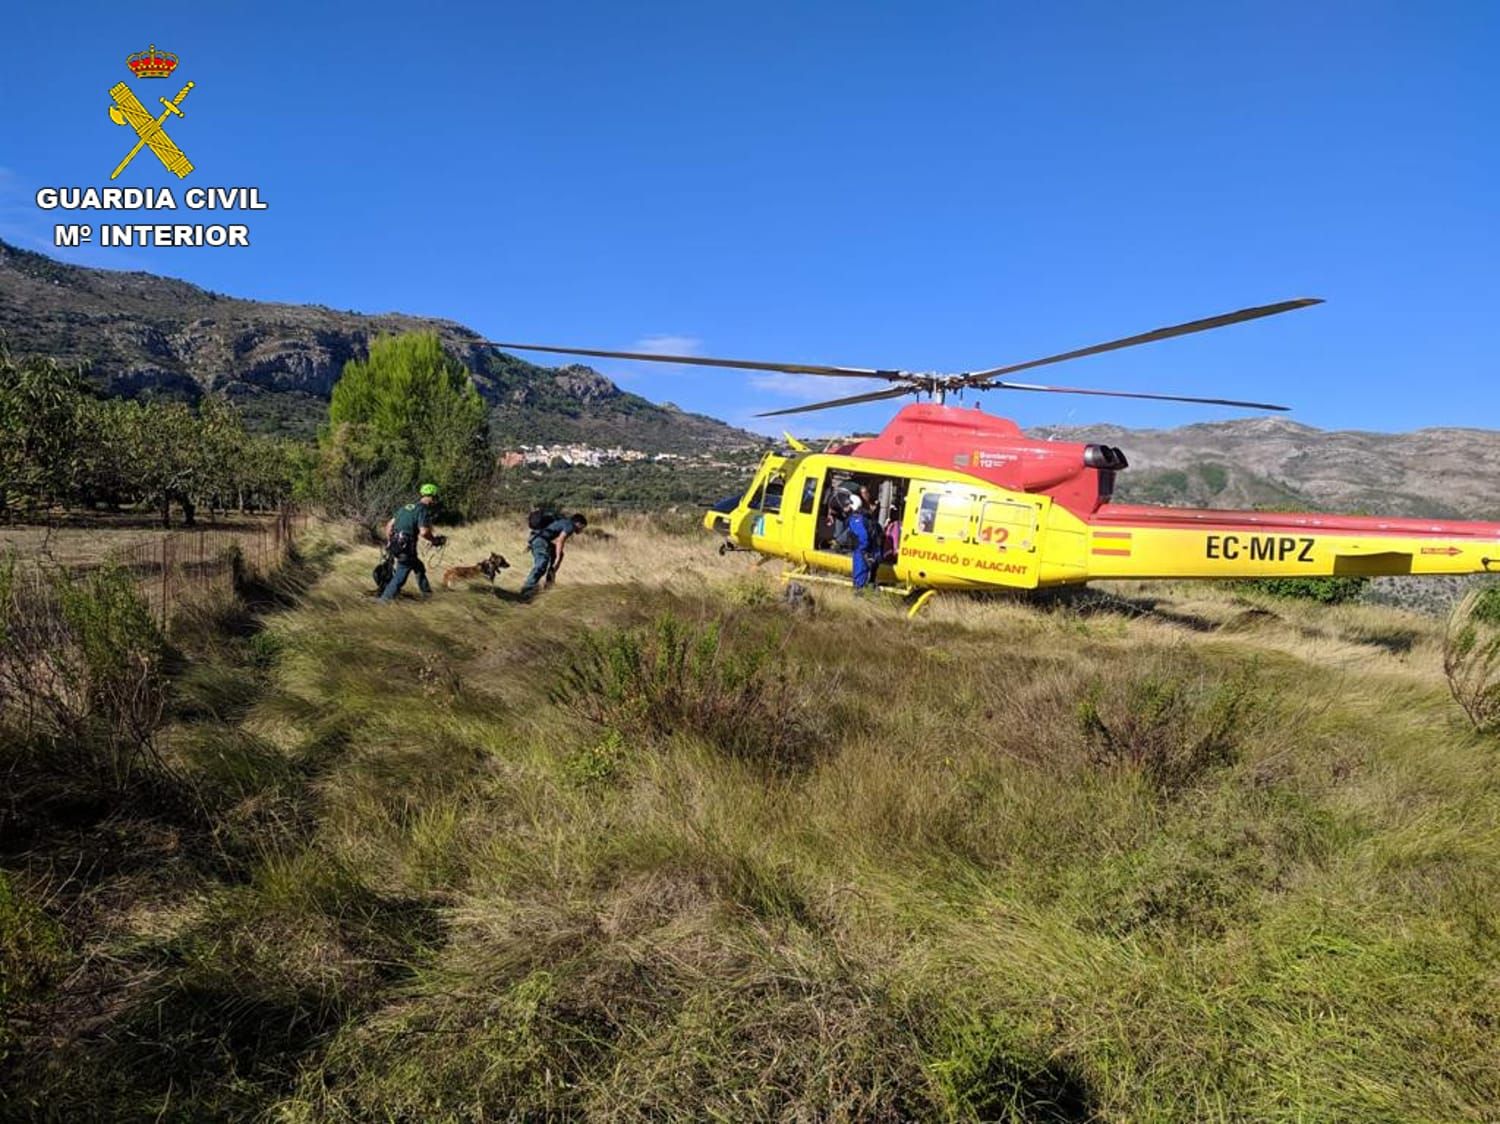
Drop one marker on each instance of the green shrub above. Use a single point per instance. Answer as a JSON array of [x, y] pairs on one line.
[[1170, 731], [263, 649], [1325, 591], [1216, 476], [1487, 606], [1471, 658], [597, 763], [750, 593], [31, 955], [7, 600], [85, 655], [116, 677], [981, 1072], [740, 697], [677, 522]]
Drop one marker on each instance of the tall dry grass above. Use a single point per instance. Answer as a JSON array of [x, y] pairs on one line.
[[1155, 854]]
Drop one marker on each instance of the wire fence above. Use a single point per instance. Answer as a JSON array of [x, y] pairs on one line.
[[174, 567]]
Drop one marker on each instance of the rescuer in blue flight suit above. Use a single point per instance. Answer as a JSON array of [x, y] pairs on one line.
[[859, 530]]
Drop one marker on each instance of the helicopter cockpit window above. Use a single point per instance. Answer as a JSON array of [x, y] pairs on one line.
[[767, 497]]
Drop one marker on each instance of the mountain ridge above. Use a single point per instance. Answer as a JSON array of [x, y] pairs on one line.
[[1437, 471], [142, 334], [145, 334]]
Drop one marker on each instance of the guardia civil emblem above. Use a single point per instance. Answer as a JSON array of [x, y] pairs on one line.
[[128, 110]]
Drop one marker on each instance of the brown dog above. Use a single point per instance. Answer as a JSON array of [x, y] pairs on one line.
[[489, 568]]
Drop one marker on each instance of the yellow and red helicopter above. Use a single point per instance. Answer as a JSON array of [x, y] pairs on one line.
[[982, 506]]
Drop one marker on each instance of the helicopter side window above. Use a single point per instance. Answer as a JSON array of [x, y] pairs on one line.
[[809, 496], [1007, 524], [945, 515], [927, 513]]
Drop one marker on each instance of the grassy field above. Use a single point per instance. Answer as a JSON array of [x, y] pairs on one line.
[[658, 846]]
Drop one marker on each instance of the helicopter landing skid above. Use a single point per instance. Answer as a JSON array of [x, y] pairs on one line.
[[916, 606], [804, 574]]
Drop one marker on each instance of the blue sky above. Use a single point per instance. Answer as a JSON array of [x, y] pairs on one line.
[[939, 186]]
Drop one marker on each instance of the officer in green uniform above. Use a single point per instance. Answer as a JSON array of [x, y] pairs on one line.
[[402, 530], [547, 549]]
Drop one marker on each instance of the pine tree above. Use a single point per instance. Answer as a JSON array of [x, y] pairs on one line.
[[406, 415]]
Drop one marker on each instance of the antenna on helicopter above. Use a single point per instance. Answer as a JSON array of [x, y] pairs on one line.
[[939, 385]]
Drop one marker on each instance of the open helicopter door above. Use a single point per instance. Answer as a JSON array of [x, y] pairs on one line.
[[885, 501]]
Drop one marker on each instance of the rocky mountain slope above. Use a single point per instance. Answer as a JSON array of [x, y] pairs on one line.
[[1276, 462], [140, 333]]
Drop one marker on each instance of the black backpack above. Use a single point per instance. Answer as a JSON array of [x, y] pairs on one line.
[[540, 517], [401, 545]]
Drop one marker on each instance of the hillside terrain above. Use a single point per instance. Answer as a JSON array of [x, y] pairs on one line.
[[1275, 462], [143, 334], [662, 846]]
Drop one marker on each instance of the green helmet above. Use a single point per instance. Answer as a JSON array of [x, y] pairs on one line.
[[429, 489]]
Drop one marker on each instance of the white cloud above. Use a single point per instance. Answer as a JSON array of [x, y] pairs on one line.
[[20, 221], [812, 388], [766, 427], [807, 388], [624, 369], [668, 345], [24, 224]]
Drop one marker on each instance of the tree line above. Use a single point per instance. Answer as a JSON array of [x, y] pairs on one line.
[[405, 415], [67, 446]]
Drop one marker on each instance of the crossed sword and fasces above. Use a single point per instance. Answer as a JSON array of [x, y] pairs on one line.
[[128, 110]]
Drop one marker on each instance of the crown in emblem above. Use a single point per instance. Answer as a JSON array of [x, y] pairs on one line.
[[152, 63]]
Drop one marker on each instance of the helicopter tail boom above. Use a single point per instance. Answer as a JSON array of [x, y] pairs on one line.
[[1130, 541]]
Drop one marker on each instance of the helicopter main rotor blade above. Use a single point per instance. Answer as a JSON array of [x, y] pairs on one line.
[[1000, 385], [1151, 337], [706, 361], [852, 400]]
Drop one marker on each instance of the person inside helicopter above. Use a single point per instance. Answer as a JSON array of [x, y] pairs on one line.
[[833, 528], [865, 537], [890, 545], [878, 500]]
